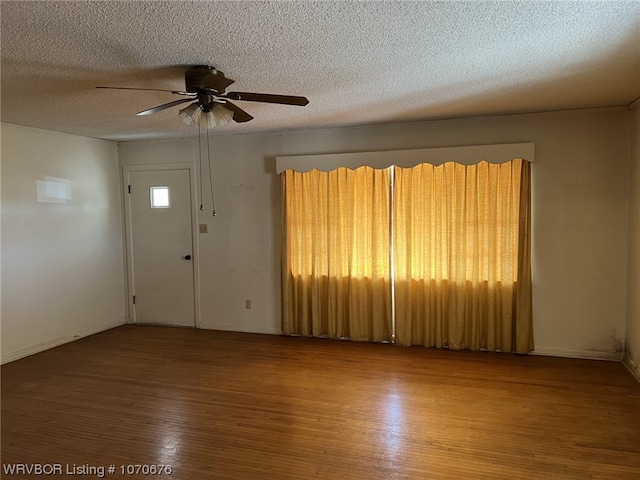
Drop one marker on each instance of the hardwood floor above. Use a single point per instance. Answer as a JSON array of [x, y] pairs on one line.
[[220, 405]]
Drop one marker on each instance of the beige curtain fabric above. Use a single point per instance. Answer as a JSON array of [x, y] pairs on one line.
[[462, 256], [336, 278]]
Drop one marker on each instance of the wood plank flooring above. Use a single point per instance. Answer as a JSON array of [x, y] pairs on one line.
[[221, 405]]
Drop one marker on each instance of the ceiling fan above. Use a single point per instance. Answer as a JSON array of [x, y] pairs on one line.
[[205, 86]]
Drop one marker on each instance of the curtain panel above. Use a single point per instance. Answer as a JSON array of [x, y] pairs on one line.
[[336, 271], [462, 256]]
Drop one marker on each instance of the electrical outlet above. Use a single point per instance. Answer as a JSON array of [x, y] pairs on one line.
[[247, 304], [203, 228]]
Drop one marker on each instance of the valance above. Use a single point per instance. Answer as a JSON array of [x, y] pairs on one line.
[[468, 155]]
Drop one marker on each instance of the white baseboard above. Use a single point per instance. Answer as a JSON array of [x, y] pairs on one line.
[[240, 328], [586, 354], [632, 366], [56, 342]]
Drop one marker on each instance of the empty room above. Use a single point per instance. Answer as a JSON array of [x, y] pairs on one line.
[[284, 240]]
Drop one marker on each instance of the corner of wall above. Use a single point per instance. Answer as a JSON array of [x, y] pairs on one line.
[[632, 366], [631, 357]]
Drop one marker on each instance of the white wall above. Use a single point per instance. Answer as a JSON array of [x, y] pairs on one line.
[[579, 216], [62, 262], [632, 345]]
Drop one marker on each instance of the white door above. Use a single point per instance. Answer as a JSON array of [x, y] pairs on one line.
[[162, 244]]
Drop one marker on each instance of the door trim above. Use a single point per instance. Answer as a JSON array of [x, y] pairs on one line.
[[126, 171]]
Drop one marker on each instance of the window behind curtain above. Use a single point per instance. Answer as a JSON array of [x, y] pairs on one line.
[[460, 250]]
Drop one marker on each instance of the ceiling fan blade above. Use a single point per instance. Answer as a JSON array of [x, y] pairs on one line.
[[165, 106], [217, 82], [239, 115], [177, 92], [267, 98]]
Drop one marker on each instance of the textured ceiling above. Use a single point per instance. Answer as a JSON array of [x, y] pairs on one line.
[[357, 62]]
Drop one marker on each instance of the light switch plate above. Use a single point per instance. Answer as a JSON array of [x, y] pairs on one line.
[[203, 228]]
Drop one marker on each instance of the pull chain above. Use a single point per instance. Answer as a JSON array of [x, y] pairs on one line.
[[213, 203], [200, 159]]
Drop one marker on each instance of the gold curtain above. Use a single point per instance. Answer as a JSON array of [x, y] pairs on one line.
[[336, 279], [462, 256]]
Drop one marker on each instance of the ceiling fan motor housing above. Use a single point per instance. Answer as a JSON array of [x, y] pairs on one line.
[[206, 101], [195, 77]]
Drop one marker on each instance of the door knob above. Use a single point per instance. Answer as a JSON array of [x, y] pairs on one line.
[[187, 257]]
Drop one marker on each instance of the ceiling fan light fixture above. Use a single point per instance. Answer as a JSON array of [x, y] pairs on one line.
[[218, 116], [193, 115], [190, 114]]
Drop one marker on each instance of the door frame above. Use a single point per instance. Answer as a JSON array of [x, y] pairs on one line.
[[128, 227]]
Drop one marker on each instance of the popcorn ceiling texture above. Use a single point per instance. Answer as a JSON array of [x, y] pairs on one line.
[[357, 62]]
